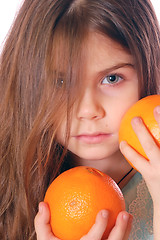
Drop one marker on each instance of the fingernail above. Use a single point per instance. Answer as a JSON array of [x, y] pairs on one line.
[[40, 208], [136, 120], [104, 214], [158, 109], [125, 217]]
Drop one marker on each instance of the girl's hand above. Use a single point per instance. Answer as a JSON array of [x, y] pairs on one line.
[[149, 169], [119, 232], [42, 223]]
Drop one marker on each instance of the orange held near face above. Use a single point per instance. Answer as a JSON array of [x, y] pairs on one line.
[[76, 196], [144, 108]]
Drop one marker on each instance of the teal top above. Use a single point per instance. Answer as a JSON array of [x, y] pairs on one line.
[[139, 204]]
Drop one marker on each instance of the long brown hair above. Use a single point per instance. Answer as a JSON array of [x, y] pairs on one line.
[[40, 71]]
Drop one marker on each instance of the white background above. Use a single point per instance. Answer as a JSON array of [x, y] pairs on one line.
[[8, 9]]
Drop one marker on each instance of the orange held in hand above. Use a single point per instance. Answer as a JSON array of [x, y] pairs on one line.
[[76, 196], [143, 108]]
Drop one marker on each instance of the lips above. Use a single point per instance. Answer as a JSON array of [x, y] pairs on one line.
[[92, 138]]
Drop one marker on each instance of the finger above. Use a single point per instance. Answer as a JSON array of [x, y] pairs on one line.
[[129, 227], [99, 227], [42, 223], [149, 145], [134, 158], [122, 227]]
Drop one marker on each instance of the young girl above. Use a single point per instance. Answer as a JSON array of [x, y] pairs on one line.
[[69, 71]]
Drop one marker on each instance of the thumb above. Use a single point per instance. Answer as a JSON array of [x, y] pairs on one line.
[[42, 223]]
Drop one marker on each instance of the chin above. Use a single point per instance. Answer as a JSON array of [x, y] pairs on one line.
[[94, 156], [94, 152]]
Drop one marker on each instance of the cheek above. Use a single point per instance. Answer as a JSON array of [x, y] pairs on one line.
[[121, 110], [118, 107], [61, 134]]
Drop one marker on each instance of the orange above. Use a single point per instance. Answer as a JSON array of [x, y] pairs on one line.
[[144, 109], [76, 196]]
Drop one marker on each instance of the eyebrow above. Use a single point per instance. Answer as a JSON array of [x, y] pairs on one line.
[[117, 66]]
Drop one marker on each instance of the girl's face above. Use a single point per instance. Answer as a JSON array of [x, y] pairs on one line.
[[109, 88]]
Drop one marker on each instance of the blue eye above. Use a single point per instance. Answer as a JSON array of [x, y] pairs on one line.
[[111, 79]]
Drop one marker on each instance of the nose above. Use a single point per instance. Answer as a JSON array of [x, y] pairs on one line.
[[90, 107]]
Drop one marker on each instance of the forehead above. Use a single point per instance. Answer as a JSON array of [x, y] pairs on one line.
[[103, 51]]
